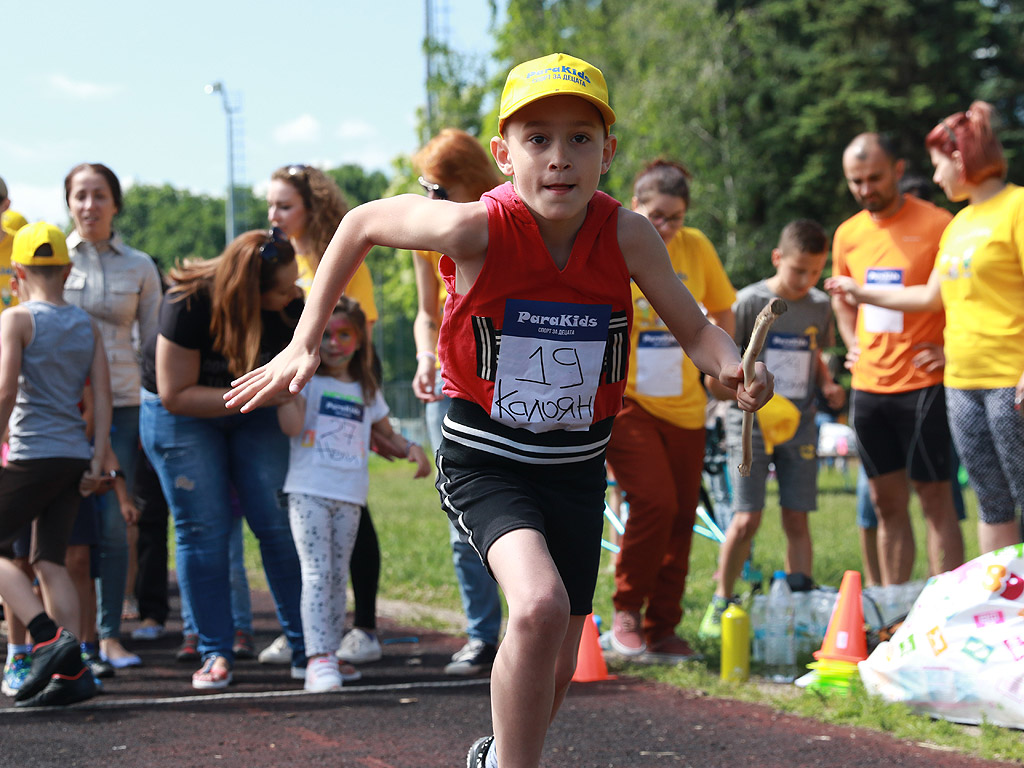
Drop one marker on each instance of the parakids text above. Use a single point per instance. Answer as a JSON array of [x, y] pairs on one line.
[[560, 73], [558, 321]]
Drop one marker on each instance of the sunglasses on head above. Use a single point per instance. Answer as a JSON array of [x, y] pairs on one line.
[[433, 190], [269, 251]]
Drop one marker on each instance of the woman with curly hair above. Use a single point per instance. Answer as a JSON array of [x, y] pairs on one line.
[[979, 279], [308, 207], [220, 318]]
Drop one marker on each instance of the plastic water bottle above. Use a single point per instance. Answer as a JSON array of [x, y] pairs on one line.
[[780, 643], [758, 616], [803, 623], [735, 644]]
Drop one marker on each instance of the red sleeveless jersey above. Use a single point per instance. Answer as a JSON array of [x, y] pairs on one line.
[[543, 351]]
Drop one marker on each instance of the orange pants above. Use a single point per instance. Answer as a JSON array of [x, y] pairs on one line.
[[658, 467]]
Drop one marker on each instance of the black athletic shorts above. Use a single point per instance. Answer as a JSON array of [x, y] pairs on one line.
[[903, 431], [489, 497]]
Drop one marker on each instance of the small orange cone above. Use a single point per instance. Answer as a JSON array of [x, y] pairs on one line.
[[590, 666], [846, 639]]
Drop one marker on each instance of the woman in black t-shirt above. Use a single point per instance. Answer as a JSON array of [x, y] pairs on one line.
[[222, 318]]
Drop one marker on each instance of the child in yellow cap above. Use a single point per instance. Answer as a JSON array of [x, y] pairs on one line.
[[793, 352], [48, 348], [541, 266]]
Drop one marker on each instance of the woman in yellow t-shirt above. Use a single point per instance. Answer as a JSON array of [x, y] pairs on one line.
[[979, 278], [656, 452], [308, 207]]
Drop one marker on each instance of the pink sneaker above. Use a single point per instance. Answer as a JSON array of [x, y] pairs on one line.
[[627, 634]]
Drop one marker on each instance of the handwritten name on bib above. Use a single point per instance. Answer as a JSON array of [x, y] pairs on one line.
[[549, 364], [339, 432]]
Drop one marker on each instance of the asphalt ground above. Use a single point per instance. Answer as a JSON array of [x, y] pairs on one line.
[[406, 713]]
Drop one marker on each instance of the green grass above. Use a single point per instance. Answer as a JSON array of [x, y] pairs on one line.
[[416, 568]]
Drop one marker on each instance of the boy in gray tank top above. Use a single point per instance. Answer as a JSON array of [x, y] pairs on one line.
[[48, 349]]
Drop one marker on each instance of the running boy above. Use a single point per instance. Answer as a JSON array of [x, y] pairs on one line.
[[543, 266], [793, 351], [47, 350]]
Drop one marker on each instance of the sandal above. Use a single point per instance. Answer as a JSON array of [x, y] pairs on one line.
[[211, 676]]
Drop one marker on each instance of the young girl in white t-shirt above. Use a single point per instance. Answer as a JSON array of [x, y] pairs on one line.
[[332, 424]]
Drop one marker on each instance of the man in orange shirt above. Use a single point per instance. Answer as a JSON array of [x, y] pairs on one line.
[[898, 406]]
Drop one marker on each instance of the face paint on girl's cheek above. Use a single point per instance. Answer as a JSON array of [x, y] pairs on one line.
[[340, 338]]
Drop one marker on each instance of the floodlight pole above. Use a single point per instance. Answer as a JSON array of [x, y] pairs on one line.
[[229, 112]]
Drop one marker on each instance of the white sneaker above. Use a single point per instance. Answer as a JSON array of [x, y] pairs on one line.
[[349, 674], [359, 647], [322, 675], [278, 652]]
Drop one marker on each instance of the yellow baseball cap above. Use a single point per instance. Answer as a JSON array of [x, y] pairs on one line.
[[40, 244], [556, 73], [12, 221], [778, 419]]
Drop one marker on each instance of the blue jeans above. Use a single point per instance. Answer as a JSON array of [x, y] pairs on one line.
[[241, 603], [198, 461], [478, 590], [113, 547]]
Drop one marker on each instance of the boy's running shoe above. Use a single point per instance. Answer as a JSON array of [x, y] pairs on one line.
[[477, 757], [61, 654], [711, 624]]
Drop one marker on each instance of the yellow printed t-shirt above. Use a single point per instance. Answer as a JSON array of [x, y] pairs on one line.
[[662, 379], [981, 263], [360, 288], [893, 252], [7, 299]]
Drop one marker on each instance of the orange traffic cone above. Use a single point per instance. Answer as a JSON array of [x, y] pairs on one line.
[[590, 666], [846, 639]]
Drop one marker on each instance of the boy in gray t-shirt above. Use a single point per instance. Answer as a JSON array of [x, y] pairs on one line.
[[792, 352], [48, 349]]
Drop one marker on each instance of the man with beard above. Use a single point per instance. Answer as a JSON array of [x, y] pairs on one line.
[[898, 402]]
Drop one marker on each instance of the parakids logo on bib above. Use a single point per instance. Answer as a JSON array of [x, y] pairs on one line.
[[339, 407], [546, 319], [558, 73], [877, 276]]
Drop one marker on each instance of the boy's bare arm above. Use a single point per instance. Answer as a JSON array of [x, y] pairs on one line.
[[711, 349], [409, 222], [15, 334]]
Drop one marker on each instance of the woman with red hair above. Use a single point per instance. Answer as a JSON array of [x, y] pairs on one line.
[[979, 279]]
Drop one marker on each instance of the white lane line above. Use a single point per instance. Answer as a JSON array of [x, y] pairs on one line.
[[102, 702]]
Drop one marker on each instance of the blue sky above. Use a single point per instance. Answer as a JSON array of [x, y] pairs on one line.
[[122, 82]]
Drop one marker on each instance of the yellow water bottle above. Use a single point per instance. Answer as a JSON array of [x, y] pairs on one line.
[[735, 644]]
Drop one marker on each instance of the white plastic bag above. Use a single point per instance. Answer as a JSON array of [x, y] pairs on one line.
[[960, 653]]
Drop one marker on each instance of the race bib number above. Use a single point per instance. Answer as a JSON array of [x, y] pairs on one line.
[[340, 439], [877, 319], [789, 357], [549, 364], [659, 365]]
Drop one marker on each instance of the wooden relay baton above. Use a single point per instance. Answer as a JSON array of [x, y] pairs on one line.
[[762, 323]]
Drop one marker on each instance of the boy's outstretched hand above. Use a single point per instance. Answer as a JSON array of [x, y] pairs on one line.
[[753, 397], [292, 367]]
